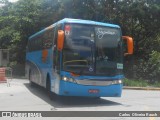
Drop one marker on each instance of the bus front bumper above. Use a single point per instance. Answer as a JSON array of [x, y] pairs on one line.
[[73, 89]]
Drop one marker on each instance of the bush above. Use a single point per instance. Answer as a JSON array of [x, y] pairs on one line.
[[150, 69], [154, 66], [137, 83], [147, 62]]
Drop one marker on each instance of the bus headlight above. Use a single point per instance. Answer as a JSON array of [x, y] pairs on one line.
[[67, 79], [117, 82]]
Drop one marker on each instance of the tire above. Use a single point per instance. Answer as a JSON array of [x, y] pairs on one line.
[[48, 88], [51, 95], [30, 82]]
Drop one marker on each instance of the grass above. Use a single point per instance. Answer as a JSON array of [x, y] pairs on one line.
[[139, 83], [156, 84]]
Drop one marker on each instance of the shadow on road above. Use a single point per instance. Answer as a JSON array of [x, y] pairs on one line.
[[68, 102]]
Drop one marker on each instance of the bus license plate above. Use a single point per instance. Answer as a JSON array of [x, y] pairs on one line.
[[94, 91]]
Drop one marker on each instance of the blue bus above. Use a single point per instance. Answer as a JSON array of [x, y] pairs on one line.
[[74, 57]]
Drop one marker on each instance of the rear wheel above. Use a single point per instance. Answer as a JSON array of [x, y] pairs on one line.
[[30, 82]]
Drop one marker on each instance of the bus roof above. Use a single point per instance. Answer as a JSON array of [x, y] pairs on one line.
[[80, 21], [69, 20]]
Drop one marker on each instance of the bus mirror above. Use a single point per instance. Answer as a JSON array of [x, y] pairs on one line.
[[60, 40], [129, 42]]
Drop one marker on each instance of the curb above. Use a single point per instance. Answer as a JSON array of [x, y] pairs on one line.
[[141, 88]]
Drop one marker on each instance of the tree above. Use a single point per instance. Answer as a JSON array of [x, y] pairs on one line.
[[139, 19]]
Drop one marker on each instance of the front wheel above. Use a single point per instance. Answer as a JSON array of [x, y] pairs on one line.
[[48, 88]]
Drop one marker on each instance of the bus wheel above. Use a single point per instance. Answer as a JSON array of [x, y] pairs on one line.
[[48, 88], [30, 82]]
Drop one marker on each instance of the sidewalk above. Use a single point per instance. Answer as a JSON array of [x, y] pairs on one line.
[[141, 88]]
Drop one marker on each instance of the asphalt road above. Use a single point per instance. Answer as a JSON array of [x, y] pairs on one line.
[[20, 96]]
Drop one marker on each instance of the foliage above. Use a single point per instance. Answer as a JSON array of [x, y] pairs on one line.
[[137, 83], [154, 65], [137, 18], [149, 67]]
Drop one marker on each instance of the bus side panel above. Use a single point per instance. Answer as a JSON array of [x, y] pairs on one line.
[[42, 67], [55, 83], [47, 67], [34, 68]]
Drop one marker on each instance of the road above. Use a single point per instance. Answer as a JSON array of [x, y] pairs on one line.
[[20, 96]]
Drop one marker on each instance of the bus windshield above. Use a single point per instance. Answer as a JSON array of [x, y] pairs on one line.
[[92, 50]]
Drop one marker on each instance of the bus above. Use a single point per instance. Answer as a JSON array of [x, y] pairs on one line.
[[75, 57]]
